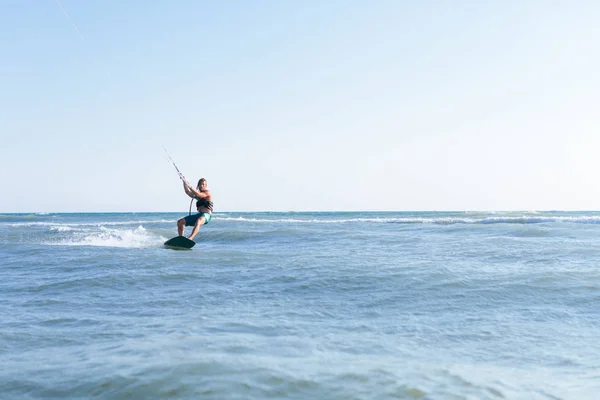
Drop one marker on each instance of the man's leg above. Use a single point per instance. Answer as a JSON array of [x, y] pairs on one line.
[[199, 223], [180, 226]]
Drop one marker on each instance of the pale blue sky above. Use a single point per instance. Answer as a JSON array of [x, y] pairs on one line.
[[300, 105]]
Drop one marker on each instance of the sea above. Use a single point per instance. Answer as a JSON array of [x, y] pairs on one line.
[[301, 305]]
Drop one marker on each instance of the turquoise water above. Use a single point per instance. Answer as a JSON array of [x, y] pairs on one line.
[[301, 306]]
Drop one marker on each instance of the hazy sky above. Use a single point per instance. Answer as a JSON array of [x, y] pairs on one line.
[[300, 105]]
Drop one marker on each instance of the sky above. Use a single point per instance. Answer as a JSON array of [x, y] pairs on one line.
[[316, 105]]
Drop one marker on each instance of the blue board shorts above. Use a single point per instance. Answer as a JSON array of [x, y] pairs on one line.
[[190, 220]]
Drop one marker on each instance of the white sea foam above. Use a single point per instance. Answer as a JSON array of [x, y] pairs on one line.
[[62, 228], [111, 237]]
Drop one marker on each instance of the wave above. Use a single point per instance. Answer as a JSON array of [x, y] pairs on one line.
[[425, 220], [90, 224], [61, 228], [106, 237], [115, 231], [541, 219]]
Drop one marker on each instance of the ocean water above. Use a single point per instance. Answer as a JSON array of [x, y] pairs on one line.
[[396, 305]]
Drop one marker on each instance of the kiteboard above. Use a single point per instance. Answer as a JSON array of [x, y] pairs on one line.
[[179, 243]]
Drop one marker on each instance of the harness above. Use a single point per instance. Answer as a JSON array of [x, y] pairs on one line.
[[204, 203]]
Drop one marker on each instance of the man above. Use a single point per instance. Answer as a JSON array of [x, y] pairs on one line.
[[204, 206]]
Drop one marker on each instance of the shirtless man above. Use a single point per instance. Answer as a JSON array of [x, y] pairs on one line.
[[204, 205]]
